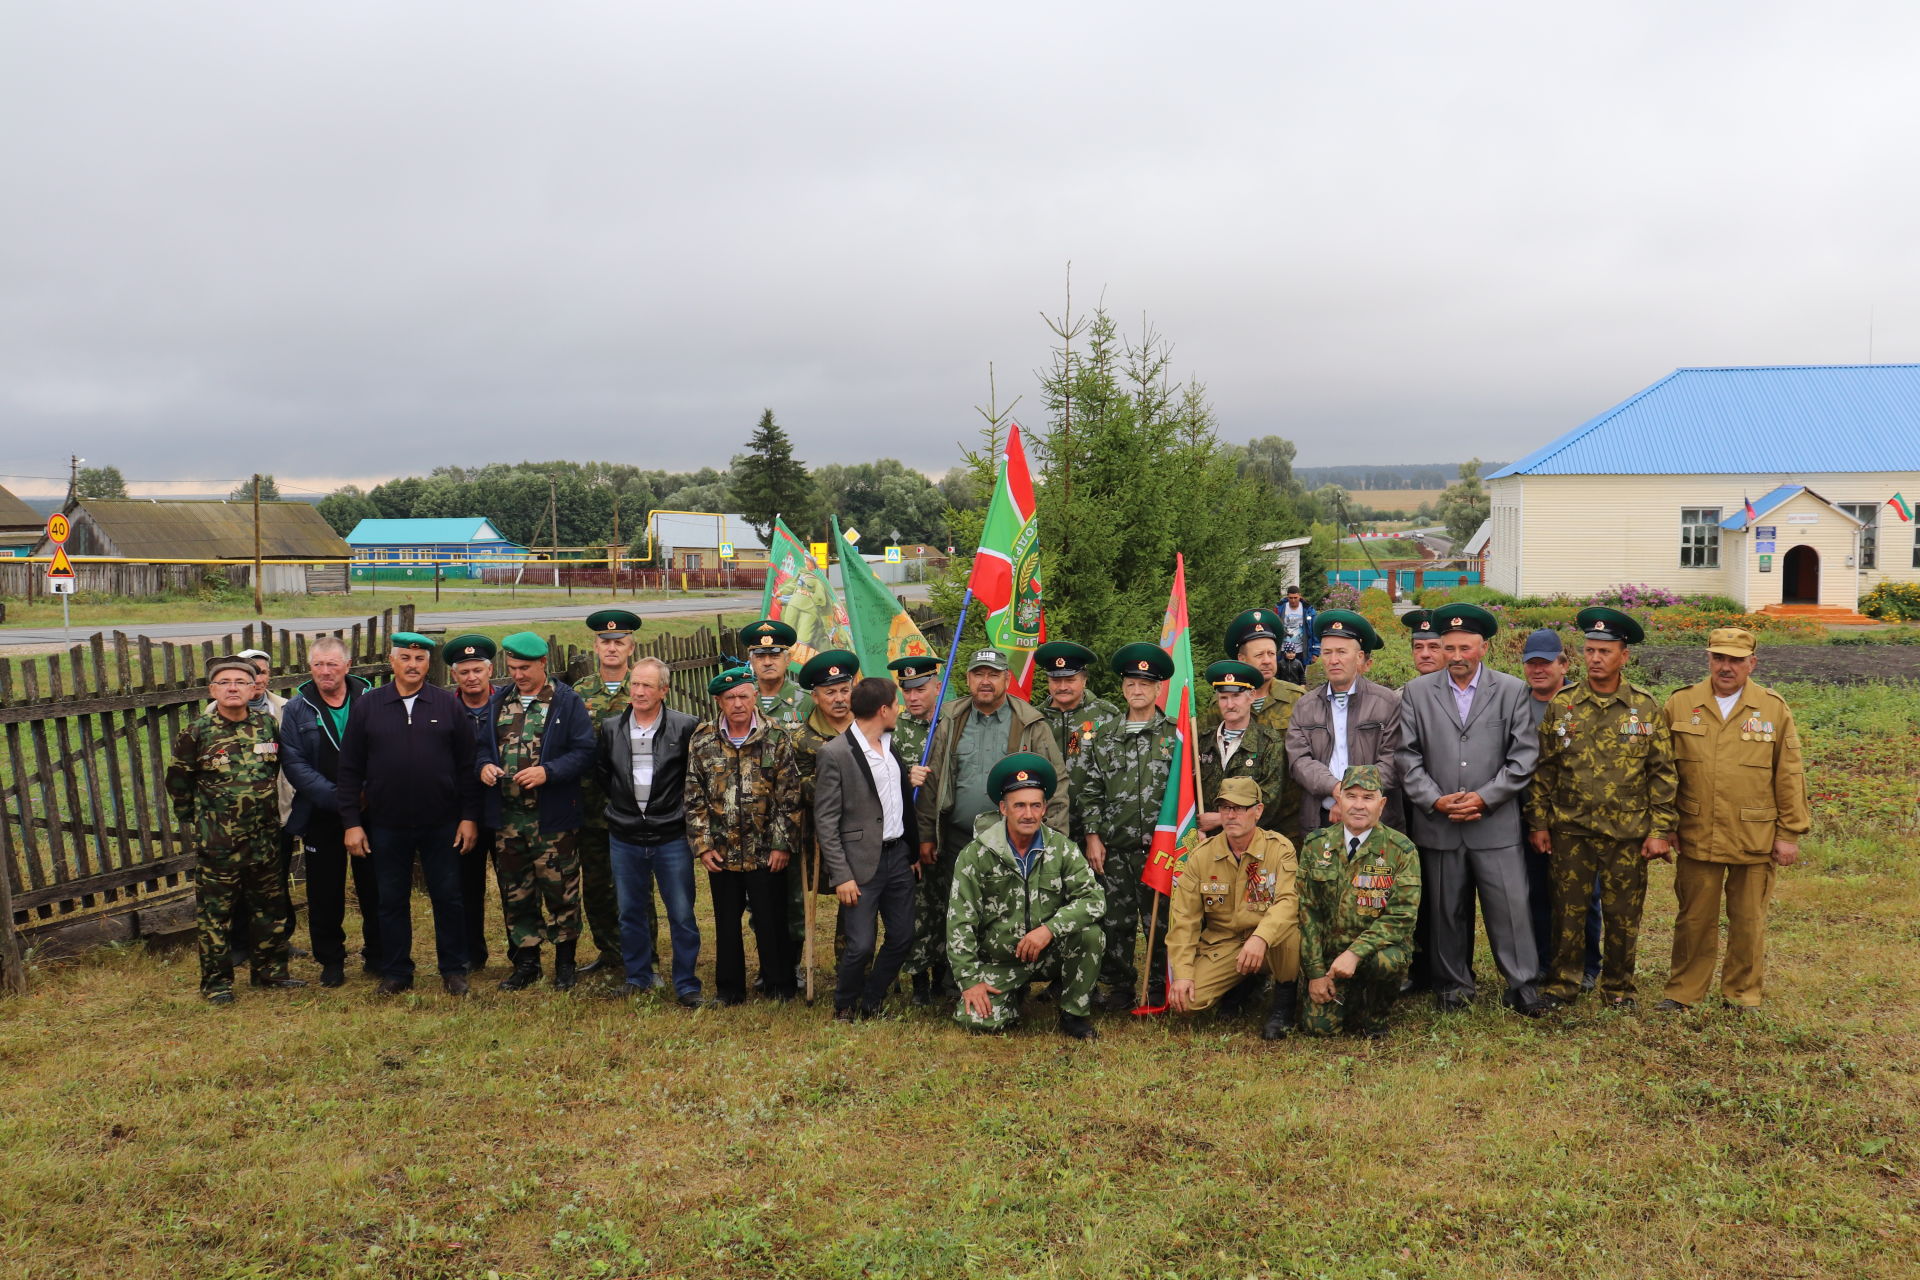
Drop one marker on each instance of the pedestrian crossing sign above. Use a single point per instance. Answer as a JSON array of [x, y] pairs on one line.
[[893, 555], [726, 551]]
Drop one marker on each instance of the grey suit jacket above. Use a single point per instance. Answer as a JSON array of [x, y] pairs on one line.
[[1373, 737], [1493, 753], [847, 818]]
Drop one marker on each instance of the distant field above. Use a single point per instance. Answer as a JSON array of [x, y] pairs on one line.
[[1393, 499]]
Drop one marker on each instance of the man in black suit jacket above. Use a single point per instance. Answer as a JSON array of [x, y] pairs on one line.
[[864, 820]]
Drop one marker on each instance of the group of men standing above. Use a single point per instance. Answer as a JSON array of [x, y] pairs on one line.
[[1346, 834]]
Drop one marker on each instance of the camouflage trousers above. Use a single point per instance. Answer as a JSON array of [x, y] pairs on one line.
[[233, 865], [930, 898], [1576, 859], [597, 898], [1360, 1003], [1129, 908], [1071, 963], [539, 881]]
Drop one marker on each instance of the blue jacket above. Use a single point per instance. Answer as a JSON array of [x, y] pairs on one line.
[[310, 754], [407, 769], [567, 750], [1312, 649]]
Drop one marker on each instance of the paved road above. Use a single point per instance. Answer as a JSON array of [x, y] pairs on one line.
[[698, 605]]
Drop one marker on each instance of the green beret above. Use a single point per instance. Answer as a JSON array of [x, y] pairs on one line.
[[613, 622], [1464, 617], [524, 645], [1021, 770], [1142, 659], [728, 679], [1602, 623], [1254, 624], [1364, 776], [413, 640], [1344, 622], [1063, 658], [768, 633], [1418, 621], [912, 672], [470, 647], [1228, 675], [829, 666]]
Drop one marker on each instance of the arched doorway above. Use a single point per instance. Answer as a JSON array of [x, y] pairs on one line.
[[1800, 576]]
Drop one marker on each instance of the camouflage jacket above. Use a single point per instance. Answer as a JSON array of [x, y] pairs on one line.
[[743, 802], [1073, 730], [224, 775], [600, 704], [517, 731], [909, 738], [1261, 756], [788, 708], [1361, 906], [993, 906], [1120, 781], [1606, 766]]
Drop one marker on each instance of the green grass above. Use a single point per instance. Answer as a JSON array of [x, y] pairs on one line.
[[333, 1134]]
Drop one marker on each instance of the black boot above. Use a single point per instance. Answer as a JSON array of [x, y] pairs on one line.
[[922, 989], [526, 970], [1286, 996], [1075, 1027], [565, 972]]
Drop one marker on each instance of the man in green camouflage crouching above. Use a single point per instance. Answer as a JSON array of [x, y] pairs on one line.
[[223, 781], [1359, 898]]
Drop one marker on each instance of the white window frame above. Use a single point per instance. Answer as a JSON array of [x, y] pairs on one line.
[[1868, 514], [1706, 549]]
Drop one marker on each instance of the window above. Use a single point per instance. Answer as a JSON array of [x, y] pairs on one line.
[[1868, 514], [1700, 537]]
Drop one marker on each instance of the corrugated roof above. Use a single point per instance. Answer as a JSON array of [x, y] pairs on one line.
[[213, 530], [15, 514], [1765, 420], [383, 533], [1738, 520]]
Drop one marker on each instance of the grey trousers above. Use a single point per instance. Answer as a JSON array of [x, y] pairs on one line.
[[1448, 879]]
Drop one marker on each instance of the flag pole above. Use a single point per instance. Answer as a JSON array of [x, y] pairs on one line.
[[946, 676]]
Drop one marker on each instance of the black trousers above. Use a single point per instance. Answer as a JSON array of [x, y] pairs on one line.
[[473, 897], [328, 865], [764, 893], [887, 897]]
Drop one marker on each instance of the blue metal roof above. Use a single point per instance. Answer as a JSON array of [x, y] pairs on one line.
[[1768, 420], [384, 533], [1738, 520]]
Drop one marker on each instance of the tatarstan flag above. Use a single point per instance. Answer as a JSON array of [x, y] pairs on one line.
[[1899, 504], [1179, 820], [1006, 572]]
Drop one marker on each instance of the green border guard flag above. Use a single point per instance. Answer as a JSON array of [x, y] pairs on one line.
[[1006, 572], [882, 631], [799, 595]]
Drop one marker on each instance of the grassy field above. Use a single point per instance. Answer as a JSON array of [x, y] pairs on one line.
[[94, 612], [334, 1134]]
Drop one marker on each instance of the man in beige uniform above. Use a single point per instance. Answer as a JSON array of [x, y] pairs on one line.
[[1236, 912], [1743, 810]]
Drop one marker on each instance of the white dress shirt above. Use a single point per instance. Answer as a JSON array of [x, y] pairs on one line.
[[886, 780]]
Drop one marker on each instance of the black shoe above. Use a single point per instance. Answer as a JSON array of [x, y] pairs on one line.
[[219, 995], [454, 983], [1623, 1003], [333, 975], [565, 973], [299, 953], [1374, 1033], [845, 1015], [394, 986], [1113, 1000], [595, 965], [1537, 1007], [1156, 994], [731, 1002], [1588, 981], [1044, 995], [922, 990], [692, 1002], [526, 970], [1280, 1014], [283, 982], [1075, 1027], [1452, 1002], [1670, 1005]]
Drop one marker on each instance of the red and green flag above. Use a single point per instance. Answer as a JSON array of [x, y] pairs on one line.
[[1179, 825], [799, 595], [1899, 504], [881, 629], [1006, 572]]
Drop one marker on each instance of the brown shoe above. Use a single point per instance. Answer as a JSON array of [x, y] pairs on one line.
[[455, 983]]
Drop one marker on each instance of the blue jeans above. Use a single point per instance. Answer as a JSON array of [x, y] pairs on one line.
[[637, 870], [392, 850]]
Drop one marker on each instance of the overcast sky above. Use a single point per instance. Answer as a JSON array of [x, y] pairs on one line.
[[349, 240]]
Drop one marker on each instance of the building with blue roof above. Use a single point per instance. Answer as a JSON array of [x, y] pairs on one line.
[[460, 547], [1787, 488]]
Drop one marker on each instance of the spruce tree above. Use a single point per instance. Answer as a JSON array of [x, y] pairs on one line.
[[769, 481]]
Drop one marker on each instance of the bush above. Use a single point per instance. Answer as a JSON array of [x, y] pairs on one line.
[[1642, 595], [1714, 604], [1466, 594], [1342, 595], [1893, 602]]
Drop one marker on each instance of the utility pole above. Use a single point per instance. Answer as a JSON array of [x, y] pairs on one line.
[[259, 606], [553, 515], [73, 474]]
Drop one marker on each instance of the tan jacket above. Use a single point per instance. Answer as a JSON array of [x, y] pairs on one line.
[[1212, 907], [1027, 730], [1738, 794]]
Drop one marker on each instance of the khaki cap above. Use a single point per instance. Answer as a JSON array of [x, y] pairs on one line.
[[1244, 792], [1732, 641]]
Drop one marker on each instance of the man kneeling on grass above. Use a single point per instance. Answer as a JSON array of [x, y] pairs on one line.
[[1233, 919], [1025, 906], [1359, 898]]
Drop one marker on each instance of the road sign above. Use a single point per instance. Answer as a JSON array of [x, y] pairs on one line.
[[893, 555], [60, 587], [58, 528], [61, 566], [820, 554], [726, 551], [853, 536]]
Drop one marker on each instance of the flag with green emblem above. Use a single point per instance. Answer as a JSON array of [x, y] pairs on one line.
[[1006, 572], [1178, 826], [882, 631], [799, 595]]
